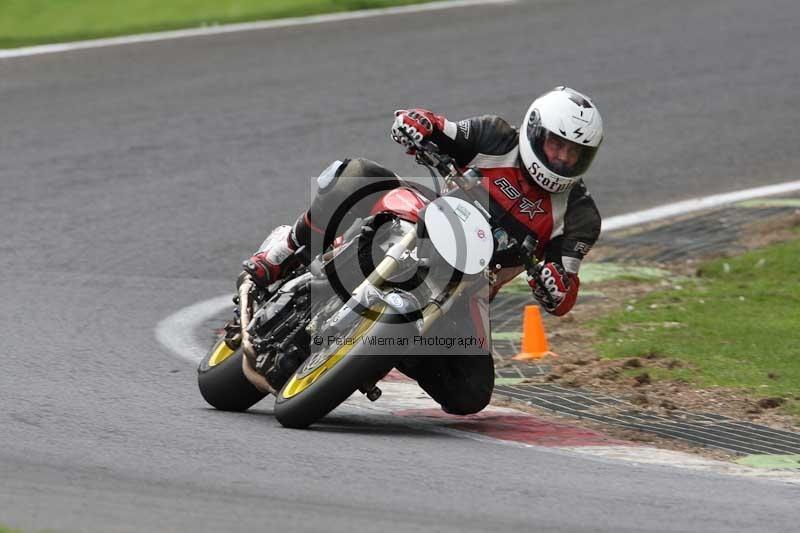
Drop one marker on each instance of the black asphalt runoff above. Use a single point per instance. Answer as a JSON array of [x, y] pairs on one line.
[[135, 179]]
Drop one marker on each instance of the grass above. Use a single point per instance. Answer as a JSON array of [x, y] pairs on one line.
[[737, 325], [29, 22], [4, 529]]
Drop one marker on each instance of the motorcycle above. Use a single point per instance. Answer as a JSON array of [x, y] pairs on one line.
[[323, 333]]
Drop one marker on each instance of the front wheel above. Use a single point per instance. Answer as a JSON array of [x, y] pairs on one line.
[[222, 381], [330, 376]]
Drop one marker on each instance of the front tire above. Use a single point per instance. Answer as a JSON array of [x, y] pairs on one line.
[[317, 388], [222, 381]]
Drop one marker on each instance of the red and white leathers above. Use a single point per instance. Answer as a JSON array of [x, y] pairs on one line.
[[566, 224]]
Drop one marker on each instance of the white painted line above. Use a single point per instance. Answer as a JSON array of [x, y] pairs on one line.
[[657, 456], [177, 331], [245, 26], [695, 204]]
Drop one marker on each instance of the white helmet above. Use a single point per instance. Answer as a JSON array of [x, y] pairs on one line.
[[562, 120]]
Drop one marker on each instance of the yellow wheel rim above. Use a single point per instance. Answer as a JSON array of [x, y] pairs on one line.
[[297, 384], [220, 353]]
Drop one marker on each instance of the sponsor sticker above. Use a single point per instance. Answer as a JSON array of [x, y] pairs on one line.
[[462, 213]]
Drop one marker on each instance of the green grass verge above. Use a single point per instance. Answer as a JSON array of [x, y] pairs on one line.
[[4, 529], [737, 325], [29, 22]]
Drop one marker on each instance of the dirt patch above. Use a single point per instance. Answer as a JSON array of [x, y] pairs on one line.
[[771, 231], [629, 379]]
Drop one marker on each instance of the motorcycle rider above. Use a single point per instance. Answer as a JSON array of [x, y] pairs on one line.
[[533, 178]]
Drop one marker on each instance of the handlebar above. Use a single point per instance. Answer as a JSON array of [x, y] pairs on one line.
[[429, 155]]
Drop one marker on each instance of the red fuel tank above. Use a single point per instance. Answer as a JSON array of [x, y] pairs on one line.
[[403, 202]]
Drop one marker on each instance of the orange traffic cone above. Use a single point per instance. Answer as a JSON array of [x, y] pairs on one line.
[[534, 341]]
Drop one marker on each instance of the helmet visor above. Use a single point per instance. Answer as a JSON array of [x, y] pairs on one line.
[[561, 156]]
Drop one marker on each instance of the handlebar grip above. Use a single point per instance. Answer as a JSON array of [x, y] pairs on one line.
[[528, 249]]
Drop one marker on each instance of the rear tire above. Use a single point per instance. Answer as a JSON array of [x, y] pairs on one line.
[[222, 381]]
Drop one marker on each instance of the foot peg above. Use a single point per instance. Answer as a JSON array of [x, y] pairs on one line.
[[233, 334], [373, 394]]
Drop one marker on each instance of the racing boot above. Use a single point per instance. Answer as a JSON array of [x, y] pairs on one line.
[[270, 263]]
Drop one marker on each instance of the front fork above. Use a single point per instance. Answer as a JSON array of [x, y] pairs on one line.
[[434, 309]]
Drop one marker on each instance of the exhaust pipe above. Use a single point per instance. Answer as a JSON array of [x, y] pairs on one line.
[[249, 359]]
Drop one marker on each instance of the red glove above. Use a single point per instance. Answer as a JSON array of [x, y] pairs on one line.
[[412, 126], [553, 288]]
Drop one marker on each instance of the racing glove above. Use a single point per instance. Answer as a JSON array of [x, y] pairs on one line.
[[412, 126], [554, 288]]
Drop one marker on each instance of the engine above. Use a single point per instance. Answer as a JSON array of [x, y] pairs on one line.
[[278, 333]]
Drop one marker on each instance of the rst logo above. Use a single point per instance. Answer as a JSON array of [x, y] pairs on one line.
[[506, 188], [551, 185], [530, 208]]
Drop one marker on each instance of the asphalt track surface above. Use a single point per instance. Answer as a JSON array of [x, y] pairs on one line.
[[136, 178]]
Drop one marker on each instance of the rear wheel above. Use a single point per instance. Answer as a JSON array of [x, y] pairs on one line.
[[330, 376], [222, 381]]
